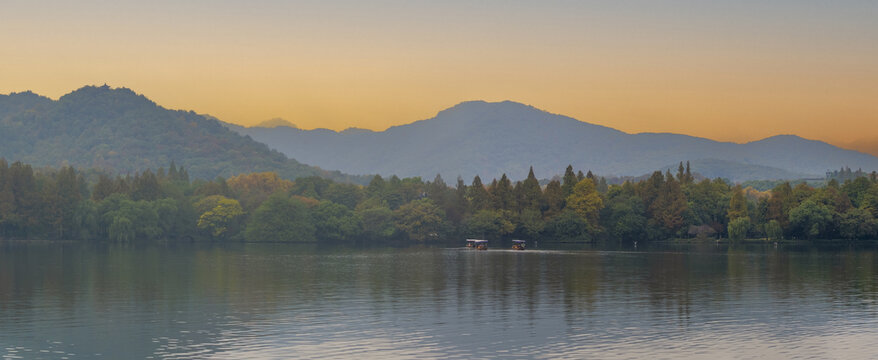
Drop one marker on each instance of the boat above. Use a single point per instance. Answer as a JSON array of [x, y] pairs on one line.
[[518, 244], [477, 244]]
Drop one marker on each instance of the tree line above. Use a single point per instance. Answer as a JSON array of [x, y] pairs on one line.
[[165, 205]]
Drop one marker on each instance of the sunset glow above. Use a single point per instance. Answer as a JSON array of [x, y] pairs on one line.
[[734, 71]]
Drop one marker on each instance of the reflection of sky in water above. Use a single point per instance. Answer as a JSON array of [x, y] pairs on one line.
[[282, 302]]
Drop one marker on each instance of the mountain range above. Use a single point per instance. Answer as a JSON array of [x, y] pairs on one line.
[[121, 131], [489, 139]]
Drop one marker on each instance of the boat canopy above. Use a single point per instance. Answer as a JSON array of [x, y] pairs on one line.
[[519, 241], [476, 240]]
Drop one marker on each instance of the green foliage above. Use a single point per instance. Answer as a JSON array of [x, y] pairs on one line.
[[419, 219], [345, 194], [624, 215], [707, 204], [281, 219], [569, 227], [858, 224], [221, 218], [376, 221], [335, 222], [478, 195], [738, 228], [121, 229], [491, 224], [812, 219], [585, 201], [773, 230], [530, 223], [737, 204], [501, 193], [119, 130], [163, 205], [530, 196]]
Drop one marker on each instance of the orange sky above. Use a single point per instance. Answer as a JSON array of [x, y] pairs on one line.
[[735, 71]]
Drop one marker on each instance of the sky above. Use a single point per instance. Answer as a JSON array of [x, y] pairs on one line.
[[726, 70]]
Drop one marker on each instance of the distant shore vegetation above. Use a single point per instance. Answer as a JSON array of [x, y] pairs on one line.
[[165, 205]]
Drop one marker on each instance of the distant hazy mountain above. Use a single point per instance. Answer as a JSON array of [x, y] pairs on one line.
[[273, 123], [119, 130], [489, 139]]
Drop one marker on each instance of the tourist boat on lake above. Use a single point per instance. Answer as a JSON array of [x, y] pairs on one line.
[[477, 244], [518, 244]]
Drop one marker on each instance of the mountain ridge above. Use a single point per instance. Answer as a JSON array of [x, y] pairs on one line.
[[491, 138], [117, 129]]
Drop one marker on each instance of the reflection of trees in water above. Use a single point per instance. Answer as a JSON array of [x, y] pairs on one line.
[[212, 287]]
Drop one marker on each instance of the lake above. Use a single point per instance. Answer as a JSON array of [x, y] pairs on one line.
[[69, 300]]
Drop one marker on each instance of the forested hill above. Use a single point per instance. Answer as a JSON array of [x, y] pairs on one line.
[[490, 139], [119, 130]]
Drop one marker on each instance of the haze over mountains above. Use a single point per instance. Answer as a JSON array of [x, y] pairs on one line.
[[119, 130], [490, 139]]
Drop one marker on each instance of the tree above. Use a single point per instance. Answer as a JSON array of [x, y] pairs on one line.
[[222, 218], [103, 188], [773, 230], [623, 215], [377, 187], [531, 196], [479, 197], [569, 227], [554, 199], [669, 205], [737, 204], [738, 228], [811, 219], [419, 219], [501, 193], [312, 186], [335, 222], [707, 204], [568, 181], [345, 194], [857, 224], [376, 220], [530, 223], [780, 203], [493, 224], [146, 187], [281, 219], [585, 201], [252, 189], [121, 229]]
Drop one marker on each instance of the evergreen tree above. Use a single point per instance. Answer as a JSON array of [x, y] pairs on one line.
[[531, 195], [569, 181], [479, 197], [146, 187], [689, 178], [669, 206], [173, 175], [554, 196], [501, 193], [376, 187]]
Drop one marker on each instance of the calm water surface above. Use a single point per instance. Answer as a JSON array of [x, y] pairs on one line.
[[67, 300]]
